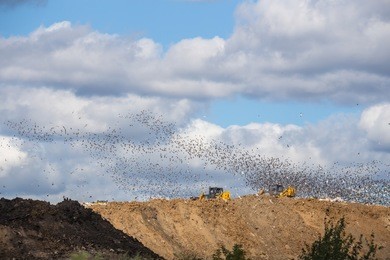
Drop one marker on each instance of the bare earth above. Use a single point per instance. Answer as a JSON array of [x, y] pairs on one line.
[[32, 229], [267, 227]]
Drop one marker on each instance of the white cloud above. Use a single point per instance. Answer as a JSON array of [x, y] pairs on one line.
[[205, 129], [10, 155], [195, 54], [314, 48], [68, 77], [52, 153], [63, 107], [279, 50], [275, 140], [39, 165], [376, 122], [338, 138]]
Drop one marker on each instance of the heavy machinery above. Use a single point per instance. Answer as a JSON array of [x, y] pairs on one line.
[[216, 193], [277, 190]]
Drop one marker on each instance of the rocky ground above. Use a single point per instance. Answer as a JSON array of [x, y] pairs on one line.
[[31, 229], [267, 227]]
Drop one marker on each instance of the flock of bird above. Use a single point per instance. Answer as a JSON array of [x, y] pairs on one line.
[[143, 154]]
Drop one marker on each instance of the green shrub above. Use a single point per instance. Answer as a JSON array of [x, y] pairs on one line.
[[335, 244], [237, 253]]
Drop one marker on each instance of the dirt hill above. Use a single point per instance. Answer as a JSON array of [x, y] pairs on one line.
[[267, 227], [31, 229]]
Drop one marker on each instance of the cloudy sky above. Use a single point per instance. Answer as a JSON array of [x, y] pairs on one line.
[[304, 81]]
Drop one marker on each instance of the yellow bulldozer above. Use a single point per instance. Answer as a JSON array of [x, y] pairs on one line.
[[279, 191], [215, 193]]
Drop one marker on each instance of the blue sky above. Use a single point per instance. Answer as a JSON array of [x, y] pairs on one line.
[[304, 81], [166, 21], [242, 111]]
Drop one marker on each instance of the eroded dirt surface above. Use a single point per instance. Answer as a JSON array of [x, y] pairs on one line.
[[267, 227], [31, 229]]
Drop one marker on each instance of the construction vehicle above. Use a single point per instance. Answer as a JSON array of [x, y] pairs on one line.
[[279, 191], [215, 193]]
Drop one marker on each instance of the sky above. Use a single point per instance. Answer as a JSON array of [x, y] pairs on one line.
[[303, 81]]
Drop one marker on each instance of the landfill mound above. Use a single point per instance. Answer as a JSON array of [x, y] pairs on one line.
[[31, 229], [267, 227]]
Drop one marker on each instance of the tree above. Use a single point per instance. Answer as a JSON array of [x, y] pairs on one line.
[[335, 244]]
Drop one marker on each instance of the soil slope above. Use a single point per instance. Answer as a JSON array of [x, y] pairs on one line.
[[267, 227], [31, 229]]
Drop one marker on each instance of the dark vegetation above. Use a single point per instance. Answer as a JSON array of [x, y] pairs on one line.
[[237, 253], [335, 244]]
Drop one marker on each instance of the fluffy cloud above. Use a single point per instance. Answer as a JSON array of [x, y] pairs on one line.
[[63, 107], [39, 159], [66, 77], [314, 48], [279, 50], [344, 139], [10, 155], [376, 122]]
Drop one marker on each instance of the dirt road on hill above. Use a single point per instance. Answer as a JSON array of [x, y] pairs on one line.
[[268, 228]]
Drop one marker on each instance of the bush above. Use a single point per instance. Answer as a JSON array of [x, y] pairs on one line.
[[336, 245], [237, 253]]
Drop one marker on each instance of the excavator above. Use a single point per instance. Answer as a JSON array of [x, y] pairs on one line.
[[215, 193], [278, 191]]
